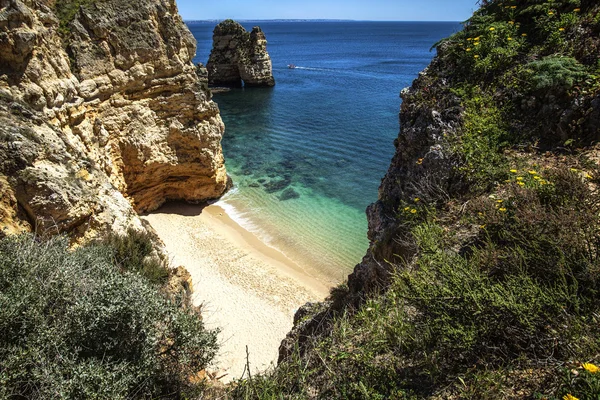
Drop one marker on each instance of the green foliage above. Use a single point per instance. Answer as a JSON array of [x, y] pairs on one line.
[[66, 10], [547, 228], [582, 382], [482, 140], [134, 252], [555, 73], [75, 327]]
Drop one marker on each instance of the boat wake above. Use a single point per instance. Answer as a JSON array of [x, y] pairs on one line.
[[292, 66]]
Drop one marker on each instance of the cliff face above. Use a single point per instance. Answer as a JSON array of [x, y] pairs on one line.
[[107, 119], [239, 56]]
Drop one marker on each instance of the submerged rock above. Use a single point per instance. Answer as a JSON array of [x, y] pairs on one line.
[[239, 56], [288, 194], [277, 185]]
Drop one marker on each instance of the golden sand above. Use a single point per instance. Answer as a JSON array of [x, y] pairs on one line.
[[246, 288]]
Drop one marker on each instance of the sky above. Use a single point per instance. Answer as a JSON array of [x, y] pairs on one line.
[[376, 10]]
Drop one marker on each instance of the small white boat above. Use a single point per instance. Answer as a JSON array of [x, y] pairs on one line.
[[291, 66]]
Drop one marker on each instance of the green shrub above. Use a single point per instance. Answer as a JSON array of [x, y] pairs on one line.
[[482, 140], [134, 252], [66, 10], [75, 327], [555, 73]]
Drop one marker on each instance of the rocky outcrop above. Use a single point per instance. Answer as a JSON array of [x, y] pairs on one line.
[[238, 56], [106, 120], [421, 167]]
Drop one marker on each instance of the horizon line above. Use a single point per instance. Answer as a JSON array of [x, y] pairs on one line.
[[309, 20]]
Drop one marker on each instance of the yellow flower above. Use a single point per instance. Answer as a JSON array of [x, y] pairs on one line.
[[413, 211], [469, 39], [511, 22], [476, 56], [590, 367], [577, 10], [509, 38], [532, 172], [513, 7], [477, 38], [502, 209], [523, 34], [588, 176], [514, 171], [417, 199], [573, 169], [570, 397], [482, 226], [537, 178], [500, 201], [521, 183], [406, 208], [469, 49], [561, 29], [550, 13], [519, 178]]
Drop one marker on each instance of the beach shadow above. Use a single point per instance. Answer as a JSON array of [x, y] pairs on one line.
[[180, 207]]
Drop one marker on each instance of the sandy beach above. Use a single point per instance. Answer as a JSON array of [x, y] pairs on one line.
[[246, 288]]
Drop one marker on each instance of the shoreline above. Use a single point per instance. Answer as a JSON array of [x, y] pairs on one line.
[[245, 287]]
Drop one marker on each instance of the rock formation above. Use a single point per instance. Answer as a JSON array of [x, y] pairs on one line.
[[102, 115], [239, 56]]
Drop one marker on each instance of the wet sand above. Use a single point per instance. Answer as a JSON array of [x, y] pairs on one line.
[[246, 288]]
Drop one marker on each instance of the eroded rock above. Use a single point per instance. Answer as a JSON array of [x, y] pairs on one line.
[[239, 56], [103, 122]]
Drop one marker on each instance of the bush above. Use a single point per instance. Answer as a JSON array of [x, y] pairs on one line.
[[66, 10], [555, 73], [480, 144], [134, 252], [75, 327]]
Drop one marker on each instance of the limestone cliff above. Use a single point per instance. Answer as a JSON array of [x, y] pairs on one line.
[[103, 115], [238, 56]]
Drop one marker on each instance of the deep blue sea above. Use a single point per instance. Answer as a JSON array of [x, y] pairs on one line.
[[308, 155]]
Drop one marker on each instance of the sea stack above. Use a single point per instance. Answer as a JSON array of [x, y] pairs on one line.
[[239, 57]]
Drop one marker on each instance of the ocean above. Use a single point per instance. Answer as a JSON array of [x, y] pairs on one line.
[[308, 155]]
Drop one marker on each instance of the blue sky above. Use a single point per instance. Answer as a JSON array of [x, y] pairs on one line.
[[380, 10]]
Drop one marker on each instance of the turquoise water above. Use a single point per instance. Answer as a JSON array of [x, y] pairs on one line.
[[308, 155]]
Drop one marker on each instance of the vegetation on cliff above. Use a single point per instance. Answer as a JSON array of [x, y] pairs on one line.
[[493, 269], [66, 10], [82, 324]]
